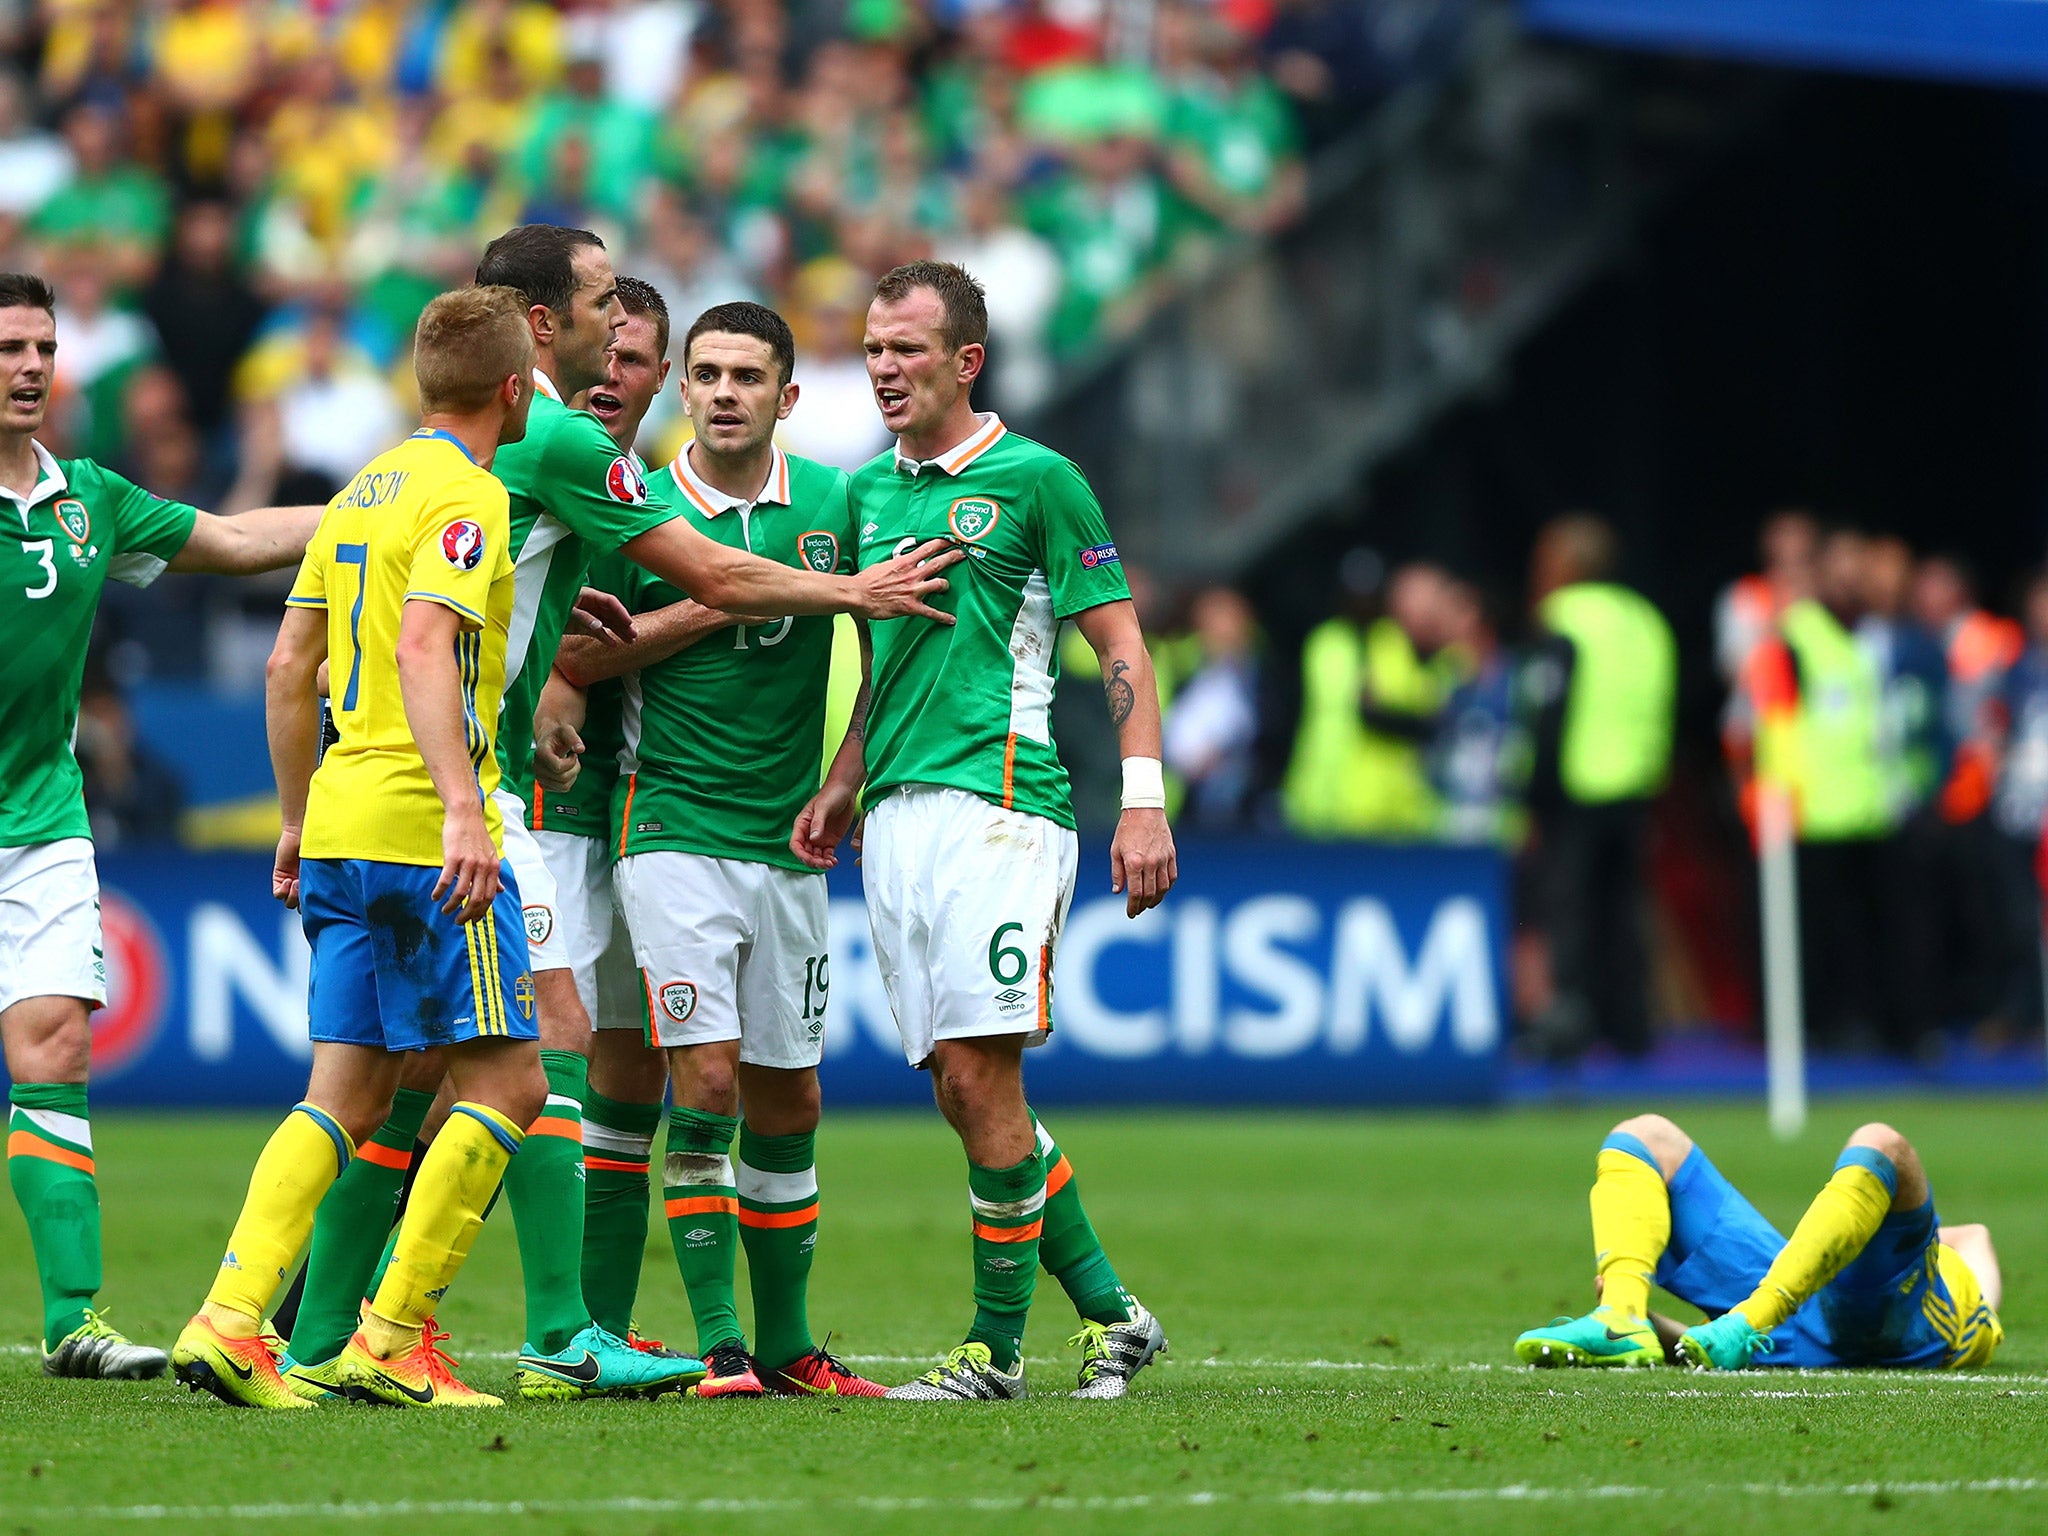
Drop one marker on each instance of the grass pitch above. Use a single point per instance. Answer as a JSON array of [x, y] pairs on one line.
[[1341, 1292]]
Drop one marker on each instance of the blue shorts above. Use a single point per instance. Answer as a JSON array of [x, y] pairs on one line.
[[392, 970], [1874, 1312]]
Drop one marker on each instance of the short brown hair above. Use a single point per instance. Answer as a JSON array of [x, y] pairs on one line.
[[539, 260], [964, 300], [24, 290], [743, 317], [468, 342], [642, 298]]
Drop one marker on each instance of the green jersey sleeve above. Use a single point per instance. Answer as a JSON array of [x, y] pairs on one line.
[[148, 530], [1079, 557], [599, 492]]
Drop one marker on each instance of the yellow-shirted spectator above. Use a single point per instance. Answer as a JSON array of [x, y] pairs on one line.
[[367, 41], [325, 146], [207, 53], [528, 32]]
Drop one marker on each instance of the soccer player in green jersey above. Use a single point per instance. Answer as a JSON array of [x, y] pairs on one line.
[[575, 495], [728, 926], [70, 526], [969, 846]]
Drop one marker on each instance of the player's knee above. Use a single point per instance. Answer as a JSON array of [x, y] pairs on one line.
[[1667, 1143], [1880, 1137], [781, 1103], [709, 1083]]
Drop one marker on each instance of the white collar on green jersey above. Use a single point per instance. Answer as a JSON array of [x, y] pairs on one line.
[[546, 386], [979, 442], [51, 482], [711, 501]]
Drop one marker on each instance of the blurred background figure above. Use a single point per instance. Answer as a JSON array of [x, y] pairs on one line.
[[131, 795], [2019, 813], [1608, 692], [1479, 755], [1218, 732], [1370, 698]]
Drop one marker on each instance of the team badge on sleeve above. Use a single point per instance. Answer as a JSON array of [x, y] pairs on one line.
[[462, 544], [625, 483], [679, 1000], [1100, 554], [971, 517], [820, 551]]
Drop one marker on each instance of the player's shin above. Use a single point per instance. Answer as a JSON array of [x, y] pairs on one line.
[[778, 1215], [1009, 1219], [545, 1186], [618, 1138], [702, 1204], [1844, 1216], [1631, 1222], [304, 1156], [453, 1190], [351, 1229], [1069, 1249], [50, 1166]]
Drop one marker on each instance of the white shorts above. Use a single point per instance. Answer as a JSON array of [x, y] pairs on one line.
[[588, 924], [50, 923], [730, 949], [965, 902], [545, 949]]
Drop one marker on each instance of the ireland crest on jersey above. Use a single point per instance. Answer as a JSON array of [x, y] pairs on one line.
[[973, 516], [820, 551], [73, 519]]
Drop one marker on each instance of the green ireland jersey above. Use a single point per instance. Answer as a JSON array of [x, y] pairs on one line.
[[585, 809], [722, 738], [970, 707], [575, 496], [80, 525]]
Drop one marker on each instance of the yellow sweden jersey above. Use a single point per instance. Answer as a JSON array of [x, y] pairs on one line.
[[419, 522]]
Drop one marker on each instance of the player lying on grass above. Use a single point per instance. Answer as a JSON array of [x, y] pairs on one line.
[[392, 849], [71, 526], [970, 853], [728, 926], [1868, 1277]]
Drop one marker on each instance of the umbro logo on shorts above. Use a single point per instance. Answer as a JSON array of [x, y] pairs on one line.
[[679, 1000], [540, 924]]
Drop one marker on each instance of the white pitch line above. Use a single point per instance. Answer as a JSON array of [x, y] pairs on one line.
[[1511, 1493]]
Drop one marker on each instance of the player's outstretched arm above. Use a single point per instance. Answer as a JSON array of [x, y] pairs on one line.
[[738, 582], [1142, 861], [830, 814], [558, 733], [291, 716], [265, 539], [431, 685], [658, 635]]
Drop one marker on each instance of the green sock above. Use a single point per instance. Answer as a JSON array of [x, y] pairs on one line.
[[1070, 1251], [1009, 1215], [778, 1188], [354, 1215], [545, 1185], [49, 1163], [617, 1140], [703, 1219]]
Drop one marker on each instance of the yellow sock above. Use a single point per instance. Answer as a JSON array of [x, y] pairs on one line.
[[455, 1183], [303, 1157], [1844, 1216], [1631, 1227]]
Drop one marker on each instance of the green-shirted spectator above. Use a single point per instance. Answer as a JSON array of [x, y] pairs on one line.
[[617, 135], [1106, 216], [119, 206], [1233, 146]]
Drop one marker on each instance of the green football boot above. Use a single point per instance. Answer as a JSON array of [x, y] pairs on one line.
[[1728, 1343], [1604, 1336]]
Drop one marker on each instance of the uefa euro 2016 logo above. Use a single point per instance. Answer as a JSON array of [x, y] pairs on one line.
[[624, 483], [462, 544]]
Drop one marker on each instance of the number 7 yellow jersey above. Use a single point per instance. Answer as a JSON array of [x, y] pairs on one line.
[[419, 523]]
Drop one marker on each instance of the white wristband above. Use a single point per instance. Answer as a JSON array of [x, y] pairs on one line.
[[1144, 784]]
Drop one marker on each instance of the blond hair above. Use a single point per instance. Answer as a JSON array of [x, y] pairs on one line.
[[469, 341]]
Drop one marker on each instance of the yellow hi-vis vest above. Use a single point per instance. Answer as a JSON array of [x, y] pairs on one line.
[[1828, 751], [1624, 688], [1346, 780]]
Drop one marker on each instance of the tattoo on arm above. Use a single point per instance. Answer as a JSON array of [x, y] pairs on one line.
[[857, 726], [1121, 699]]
